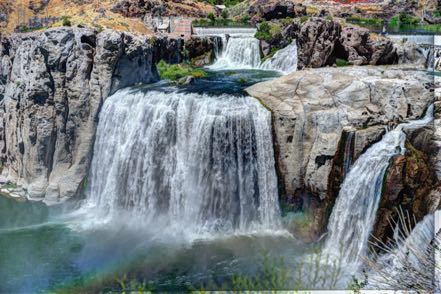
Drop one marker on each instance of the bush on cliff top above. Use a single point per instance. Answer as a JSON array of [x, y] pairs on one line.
[[174, 72]]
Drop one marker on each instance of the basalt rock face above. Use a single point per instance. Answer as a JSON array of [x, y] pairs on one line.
[[268, 10], [313, 111], [320, 42], [53, 85], [361, 49], [316, 42], [202, 50]]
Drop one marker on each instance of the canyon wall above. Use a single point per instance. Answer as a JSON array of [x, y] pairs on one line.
[[52, 85]]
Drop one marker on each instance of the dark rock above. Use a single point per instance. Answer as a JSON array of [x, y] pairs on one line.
[[202, 51], [316, 42]]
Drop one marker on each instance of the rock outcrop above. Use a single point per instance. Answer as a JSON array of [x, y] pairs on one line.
[[320, 42], [312, 109], [316, 43], [201, 51], [361, 49], [52, 87]]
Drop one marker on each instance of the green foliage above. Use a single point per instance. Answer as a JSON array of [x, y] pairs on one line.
[[304, 18], [211, 17], [404, 19], [341, 62], [268, 31], [273, 274], [363, 20], [173, 72], [224, 14], [66, 21], [227, 3]]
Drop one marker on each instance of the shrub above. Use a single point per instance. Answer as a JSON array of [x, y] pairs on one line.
[[304, 18], [268, 31], [341, 62], [173, 72], [211, 17], [66, 21]]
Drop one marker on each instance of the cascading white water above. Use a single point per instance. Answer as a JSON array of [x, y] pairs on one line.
[[353, 215], [198, 163], [285, 60], [241, 50]]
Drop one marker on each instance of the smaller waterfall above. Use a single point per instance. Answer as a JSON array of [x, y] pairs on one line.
[[348, 156], [353, 215], [285, 60], [241, 52]]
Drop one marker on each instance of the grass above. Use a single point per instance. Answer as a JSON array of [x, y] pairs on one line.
[[341, 62], [174, 72]]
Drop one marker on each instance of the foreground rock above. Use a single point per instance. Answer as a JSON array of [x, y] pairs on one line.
[[313, 113], [53, 85]]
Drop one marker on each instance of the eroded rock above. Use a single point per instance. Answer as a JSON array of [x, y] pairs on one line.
[[310, 110], [55, 84]]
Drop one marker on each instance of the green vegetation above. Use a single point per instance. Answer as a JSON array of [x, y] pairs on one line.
[[341, 62], [174, 72], [304, 18], [268, 31], [223, 2], [404, 18], [362, 20], [66, 21]]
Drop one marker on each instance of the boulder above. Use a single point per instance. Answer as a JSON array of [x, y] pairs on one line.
[[360, 47]]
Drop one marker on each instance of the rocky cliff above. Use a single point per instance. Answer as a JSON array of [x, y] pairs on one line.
[[313, 113], [52, 85]]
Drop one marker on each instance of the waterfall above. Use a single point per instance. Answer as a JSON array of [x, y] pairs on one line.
[[285, 60], [241, 50], [353, 215], [197, 163], [348, 155]]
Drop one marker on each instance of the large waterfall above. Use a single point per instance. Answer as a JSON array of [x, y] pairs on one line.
[[353, 215], [195, 162]]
